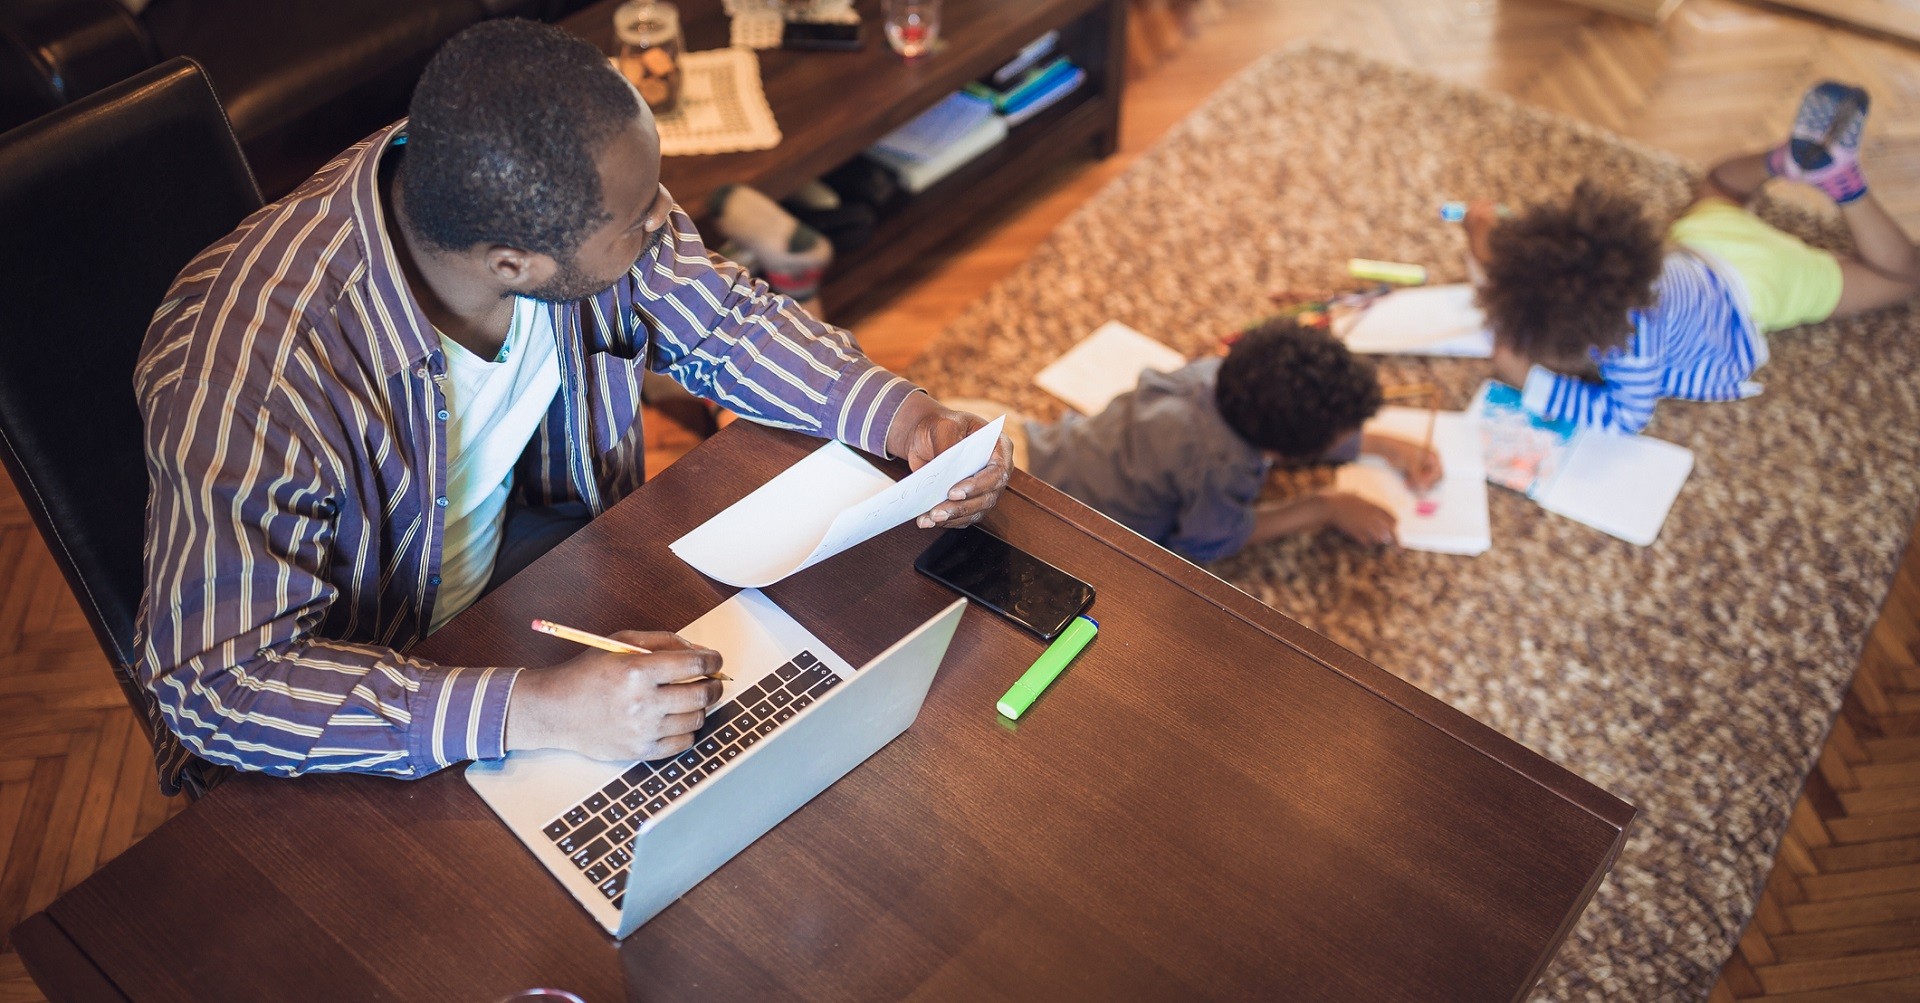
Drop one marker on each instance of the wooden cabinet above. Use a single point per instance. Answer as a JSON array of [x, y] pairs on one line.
[[831, 106]]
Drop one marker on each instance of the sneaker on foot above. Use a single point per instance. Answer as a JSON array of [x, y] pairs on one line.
[[1840, 178], [1824, 150], [1830, 114]]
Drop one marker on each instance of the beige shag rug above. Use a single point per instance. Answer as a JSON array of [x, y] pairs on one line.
[[1695, 678]]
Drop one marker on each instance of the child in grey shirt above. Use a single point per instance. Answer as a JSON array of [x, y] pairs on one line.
[[1181, 458]]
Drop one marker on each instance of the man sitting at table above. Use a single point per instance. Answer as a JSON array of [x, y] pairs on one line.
[[419, 371]]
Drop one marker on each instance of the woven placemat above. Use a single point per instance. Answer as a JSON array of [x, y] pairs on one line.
[[722, 107]]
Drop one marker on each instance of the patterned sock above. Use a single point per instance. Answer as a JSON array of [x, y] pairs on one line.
[[1824, 149], [1840, 178]]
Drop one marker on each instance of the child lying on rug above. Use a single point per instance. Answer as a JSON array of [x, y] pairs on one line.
[[1181, 458], [1596, 319]]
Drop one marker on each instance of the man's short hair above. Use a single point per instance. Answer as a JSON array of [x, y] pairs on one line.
[[1293, 390], [504, 130], [1563, 277]]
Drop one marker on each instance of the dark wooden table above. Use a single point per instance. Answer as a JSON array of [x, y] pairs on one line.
[[1212, 801], [833, 105]]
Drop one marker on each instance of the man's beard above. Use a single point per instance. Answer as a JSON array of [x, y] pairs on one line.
[[569, 283]]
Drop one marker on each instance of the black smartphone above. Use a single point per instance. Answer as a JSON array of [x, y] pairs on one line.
[[1005, 579], [817, 35]]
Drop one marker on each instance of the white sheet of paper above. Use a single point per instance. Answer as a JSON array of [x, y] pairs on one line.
[[1421, 320], [1457, 522], [1104, 365], [826, 503], [1619, 484]]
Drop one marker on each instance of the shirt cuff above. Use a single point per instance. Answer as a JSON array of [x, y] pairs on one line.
[[461, 714], [869, 397], [1538, 390]]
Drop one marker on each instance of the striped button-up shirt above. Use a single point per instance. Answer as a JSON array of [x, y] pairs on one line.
[[296, 444], [1696, 342]]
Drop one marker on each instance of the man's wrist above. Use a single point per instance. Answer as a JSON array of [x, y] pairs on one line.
[[918, 406], [526, 722]]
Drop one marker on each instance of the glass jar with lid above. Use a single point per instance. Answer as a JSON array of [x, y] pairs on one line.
[[649, 35]]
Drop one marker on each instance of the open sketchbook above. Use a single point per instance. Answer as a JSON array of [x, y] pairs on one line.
[[826, 503], [1104, 365], [1622, 485], [1421, 320], [1452, 517]]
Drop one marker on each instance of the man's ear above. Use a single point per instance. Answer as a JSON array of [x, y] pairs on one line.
[[518, 270]]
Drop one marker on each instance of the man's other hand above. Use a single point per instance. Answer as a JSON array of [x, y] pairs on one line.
[[922, 430], [615, 706]]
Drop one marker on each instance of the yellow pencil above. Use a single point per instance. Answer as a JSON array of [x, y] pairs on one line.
[[566, 633], [1416, 391]]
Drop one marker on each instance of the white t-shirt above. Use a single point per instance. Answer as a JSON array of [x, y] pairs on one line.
[[494, 409]]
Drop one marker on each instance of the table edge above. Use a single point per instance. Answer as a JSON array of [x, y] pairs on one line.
[[45, 949]]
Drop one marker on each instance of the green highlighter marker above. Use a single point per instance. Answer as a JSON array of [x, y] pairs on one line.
[[1048, 667]]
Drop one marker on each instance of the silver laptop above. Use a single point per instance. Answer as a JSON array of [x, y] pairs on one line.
[[627, 839]]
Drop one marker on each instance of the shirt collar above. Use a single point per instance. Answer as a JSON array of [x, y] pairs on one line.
[[407, 337]]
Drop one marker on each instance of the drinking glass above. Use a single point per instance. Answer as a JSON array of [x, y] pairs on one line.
[[912, 26]]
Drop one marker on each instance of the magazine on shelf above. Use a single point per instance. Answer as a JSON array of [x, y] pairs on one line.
[[917, 176], [937, 129]]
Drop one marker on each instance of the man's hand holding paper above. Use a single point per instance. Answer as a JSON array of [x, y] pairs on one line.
[[833, 499], [922, 430]]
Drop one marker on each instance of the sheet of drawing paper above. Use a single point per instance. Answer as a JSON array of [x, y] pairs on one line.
[[1619, 484], [1452, 517], [826, 503], [1104, 365], [1421, 320]]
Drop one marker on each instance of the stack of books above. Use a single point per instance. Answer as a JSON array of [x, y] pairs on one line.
[[973, 120], [937, 143], [1034, 91]]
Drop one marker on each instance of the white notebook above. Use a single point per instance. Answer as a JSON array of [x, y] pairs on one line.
[[1619, 484], [1452, 517], [1422, 320], [1104, 365], [1623, 485]]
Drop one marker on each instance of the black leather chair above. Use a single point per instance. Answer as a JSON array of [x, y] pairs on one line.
[[301, 79], [104, 202]]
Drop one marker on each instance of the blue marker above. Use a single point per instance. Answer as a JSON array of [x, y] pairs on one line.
[[1456, 212]]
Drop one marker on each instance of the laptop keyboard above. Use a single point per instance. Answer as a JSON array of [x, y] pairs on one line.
[[596, 833]]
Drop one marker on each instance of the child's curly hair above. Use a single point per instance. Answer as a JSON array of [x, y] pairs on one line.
[[1294, 390], [1561, 278]]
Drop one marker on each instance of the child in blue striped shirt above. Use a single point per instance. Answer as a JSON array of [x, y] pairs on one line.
[[1596, 318]]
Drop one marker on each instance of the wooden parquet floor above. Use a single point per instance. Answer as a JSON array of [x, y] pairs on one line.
[[1841, 916]]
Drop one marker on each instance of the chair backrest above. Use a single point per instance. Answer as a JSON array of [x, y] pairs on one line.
[[105, 200]]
